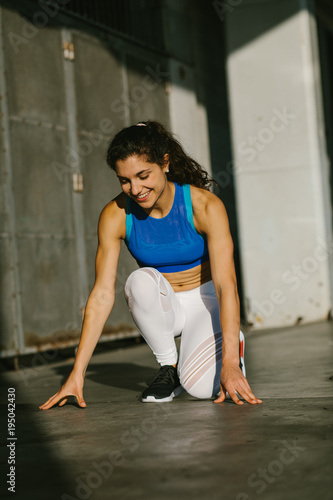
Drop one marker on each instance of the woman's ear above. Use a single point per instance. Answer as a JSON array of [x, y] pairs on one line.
[[166, 162]]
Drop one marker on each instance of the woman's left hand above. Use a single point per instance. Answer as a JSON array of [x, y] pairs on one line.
[[233, 381]]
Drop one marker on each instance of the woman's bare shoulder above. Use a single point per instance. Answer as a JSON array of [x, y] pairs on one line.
[[202, 198], [115, 206], [209, 212], [113, 217]]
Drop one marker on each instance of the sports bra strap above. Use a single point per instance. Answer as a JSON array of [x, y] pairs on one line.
[[188, 205], [129, 220]]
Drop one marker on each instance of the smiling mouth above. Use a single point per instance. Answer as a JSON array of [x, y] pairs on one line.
[[144, 196]]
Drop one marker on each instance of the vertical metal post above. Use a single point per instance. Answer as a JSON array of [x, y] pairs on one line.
[[124, 78], [18, 334], [73, 143]]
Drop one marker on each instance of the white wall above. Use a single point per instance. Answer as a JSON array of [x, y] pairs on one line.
[[281, 168], [188, 116]]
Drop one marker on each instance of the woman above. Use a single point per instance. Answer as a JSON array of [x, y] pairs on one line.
[[178, 231]]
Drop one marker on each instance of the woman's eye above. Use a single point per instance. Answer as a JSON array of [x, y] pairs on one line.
[[143, 178]]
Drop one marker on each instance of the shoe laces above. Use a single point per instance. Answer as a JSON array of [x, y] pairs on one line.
[[163, 376]]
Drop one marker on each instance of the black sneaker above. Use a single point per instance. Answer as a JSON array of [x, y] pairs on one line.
[[164, 387]]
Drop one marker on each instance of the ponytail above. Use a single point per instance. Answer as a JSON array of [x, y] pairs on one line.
[[152, 140]]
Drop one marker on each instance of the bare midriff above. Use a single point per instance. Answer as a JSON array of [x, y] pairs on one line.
[[190, 278]]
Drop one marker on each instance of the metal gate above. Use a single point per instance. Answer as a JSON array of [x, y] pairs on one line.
[[64, 93]]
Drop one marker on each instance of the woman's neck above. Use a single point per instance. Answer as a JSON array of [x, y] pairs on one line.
[[164, 202]]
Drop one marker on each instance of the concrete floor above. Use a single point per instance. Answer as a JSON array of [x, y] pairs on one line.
[[120, 448]]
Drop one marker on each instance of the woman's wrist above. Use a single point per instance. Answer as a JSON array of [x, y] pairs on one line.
[[230, 361], [79, 370]]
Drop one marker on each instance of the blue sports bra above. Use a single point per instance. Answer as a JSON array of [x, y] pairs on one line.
[[170, 244]]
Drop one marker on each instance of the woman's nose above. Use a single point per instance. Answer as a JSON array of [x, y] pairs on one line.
[[135, 188]]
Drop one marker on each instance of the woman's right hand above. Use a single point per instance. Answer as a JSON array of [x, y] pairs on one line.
[[72, 387], [111, 231]]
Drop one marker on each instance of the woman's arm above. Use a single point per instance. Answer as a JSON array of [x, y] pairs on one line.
[[210, 218], [111, 230]]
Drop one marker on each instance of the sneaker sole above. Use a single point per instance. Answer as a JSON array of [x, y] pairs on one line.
[[152, 399]]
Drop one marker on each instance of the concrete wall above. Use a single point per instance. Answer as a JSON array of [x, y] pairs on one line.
[[59, 109], [281, 168]]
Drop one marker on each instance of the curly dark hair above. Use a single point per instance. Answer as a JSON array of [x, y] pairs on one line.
[[152, 140]]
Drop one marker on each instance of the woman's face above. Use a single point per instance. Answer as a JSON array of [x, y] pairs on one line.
[[142, 181]]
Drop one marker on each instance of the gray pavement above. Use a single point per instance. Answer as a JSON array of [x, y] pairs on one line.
[[120, 448]]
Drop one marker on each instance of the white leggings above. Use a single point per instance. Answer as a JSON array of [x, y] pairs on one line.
[[162, 314]]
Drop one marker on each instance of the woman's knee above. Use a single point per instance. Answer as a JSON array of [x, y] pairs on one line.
[[199, 390], [140, 282]]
